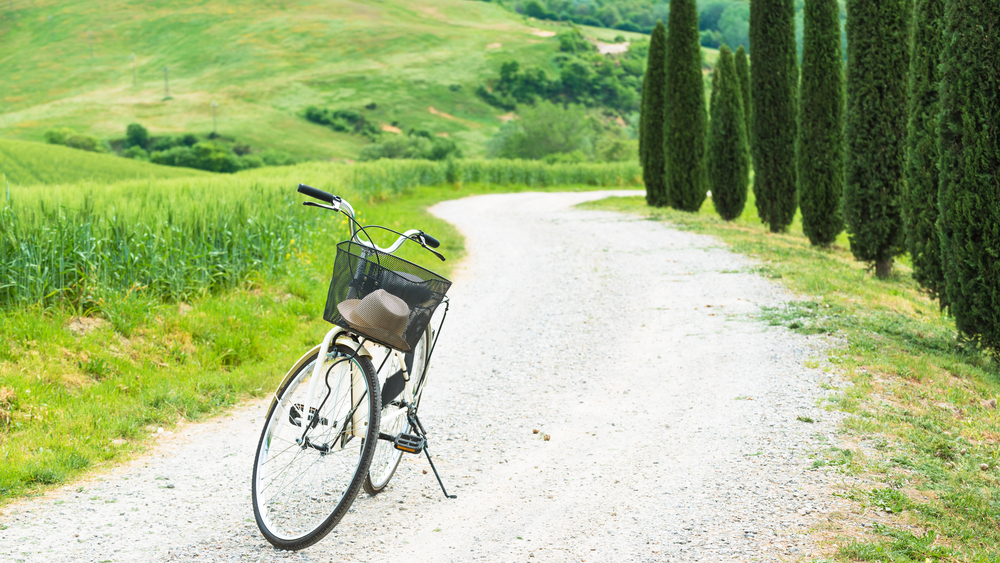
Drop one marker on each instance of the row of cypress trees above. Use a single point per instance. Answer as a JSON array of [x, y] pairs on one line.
[[910, 163], [673, 121]]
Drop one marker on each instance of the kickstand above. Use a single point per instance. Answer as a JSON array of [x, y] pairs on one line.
[[415, 422]]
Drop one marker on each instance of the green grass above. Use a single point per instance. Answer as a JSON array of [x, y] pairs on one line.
[[263, 66], [917, 422], [70, 403], [27, 163]]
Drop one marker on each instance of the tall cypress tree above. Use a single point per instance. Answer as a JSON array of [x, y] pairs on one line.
[[743, 72], [821, 149], [920, 202], [687, 173], [653, 118], [877, 62], [728, 154], [969, 193], [774, 79]]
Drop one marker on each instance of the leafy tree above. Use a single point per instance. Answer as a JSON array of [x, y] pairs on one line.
[[653, 119], [821, 149], [877, 62], [728, 154], [743, 72], [970, 167], [920, 200], [774, 79], [542, 130], [686, 120], [415, 144], [136, 136]]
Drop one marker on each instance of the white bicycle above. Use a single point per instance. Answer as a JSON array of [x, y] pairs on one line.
[[337, 424]]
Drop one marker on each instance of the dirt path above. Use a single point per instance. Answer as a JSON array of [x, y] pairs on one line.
[[672, 414]]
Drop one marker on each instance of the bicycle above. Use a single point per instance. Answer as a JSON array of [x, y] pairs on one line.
[[339, 425]]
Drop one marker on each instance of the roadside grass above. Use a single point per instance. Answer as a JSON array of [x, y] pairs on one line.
[[80, 390], [922, 404]]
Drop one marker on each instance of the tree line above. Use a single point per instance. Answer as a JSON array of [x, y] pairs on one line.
[[900, 145]]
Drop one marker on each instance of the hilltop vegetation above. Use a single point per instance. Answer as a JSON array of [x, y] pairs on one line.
[[28, 163], [416, 64]]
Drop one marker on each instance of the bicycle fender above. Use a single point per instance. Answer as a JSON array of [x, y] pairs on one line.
[[340, 339]]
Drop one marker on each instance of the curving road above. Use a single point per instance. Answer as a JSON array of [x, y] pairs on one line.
[[671, 411]]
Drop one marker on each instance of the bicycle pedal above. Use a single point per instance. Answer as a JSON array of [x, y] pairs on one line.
[[410, 443], [295, 416]]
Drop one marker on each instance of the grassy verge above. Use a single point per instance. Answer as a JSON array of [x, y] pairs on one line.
[[923, 422], [83, 389]]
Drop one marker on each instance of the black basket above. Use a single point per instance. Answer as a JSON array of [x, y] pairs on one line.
[[361, 271]]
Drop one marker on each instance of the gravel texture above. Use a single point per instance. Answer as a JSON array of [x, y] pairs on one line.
[[670, 410]]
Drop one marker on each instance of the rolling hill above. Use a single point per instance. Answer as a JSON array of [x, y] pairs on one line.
[[414, 64], [27, 163]]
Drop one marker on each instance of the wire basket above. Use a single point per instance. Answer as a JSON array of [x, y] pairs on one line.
[[382, 297]]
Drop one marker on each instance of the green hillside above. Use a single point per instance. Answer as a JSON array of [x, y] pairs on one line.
[[418, 62], [26, 163]]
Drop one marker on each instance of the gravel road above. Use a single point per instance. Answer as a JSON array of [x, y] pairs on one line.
[[671, 409]]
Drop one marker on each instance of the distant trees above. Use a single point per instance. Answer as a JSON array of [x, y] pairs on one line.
[[773, 85], [820, 150], [970, 167], [136, 136], [542, 130], [585, 77], [728, 154], [877, 62], [686, 120], [652, 120], [920, 200]]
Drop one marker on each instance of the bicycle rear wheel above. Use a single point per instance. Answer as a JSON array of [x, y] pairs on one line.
[[392, 420], [304, 481]]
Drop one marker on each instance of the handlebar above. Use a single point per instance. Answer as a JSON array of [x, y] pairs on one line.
[[340, 204]]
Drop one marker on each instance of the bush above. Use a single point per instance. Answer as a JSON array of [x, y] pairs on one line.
[[415, 145], [136, 152], [136, 136], [58, 136], [67, 137]]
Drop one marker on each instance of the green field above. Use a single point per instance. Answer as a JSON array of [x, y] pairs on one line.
[[263, 66], [28, 163]]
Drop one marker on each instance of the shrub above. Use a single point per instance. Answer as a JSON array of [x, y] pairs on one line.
[[773, 81], [544, 129], [136, 152]]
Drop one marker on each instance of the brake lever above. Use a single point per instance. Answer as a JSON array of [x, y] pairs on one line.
[[334, 207], [419, 239]]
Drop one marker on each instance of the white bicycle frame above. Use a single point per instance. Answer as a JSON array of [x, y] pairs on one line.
[[333, 335]]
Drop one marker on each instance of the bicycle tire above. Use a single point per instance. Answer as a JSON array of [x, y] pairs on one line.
[[305, 506], [386, 459]]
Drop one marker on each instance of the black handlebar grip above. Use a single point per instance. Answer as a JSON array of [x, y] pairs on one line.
[[431, 241], [318, 194]]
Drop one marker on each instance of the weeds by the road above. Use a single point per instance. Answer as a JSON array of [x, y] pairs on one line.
[[923, 417]]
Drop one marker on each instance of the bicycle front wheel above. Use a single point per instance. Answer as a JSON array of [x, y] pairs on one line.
[[310, 466], [393, 421]]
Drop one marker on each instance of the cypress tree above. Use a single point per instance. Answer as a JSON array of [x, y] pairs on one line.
[[821, 151], [728, 154], [969, 193], [877, 62], [652, 119], [686, 123], [920, 201], [743, 72], [774, 79]]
